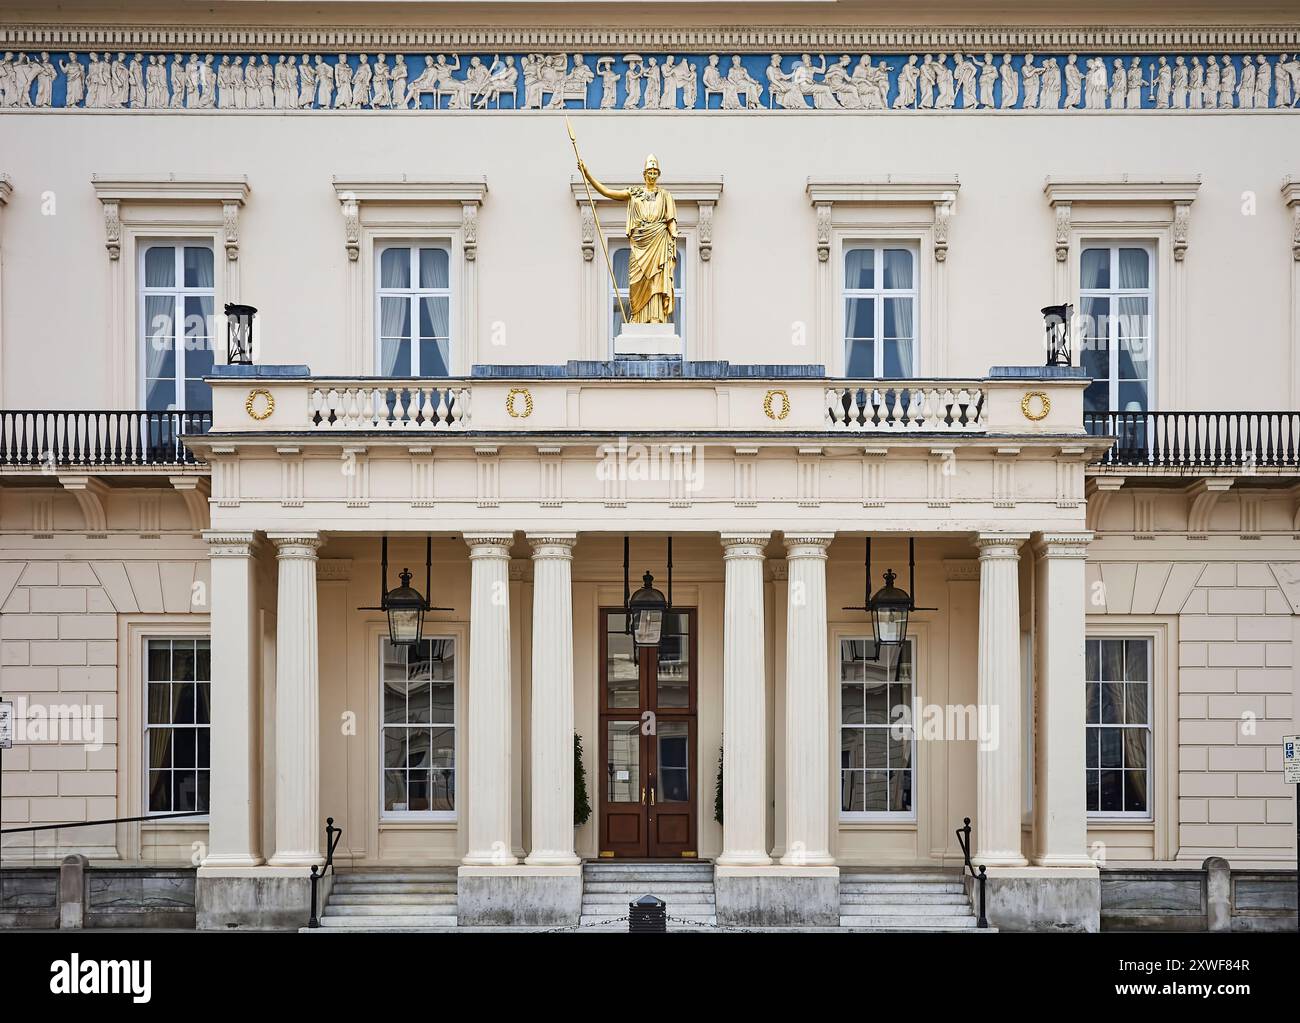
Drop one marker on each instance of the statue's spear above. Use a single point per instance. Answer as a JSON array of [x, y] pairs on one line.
[[596, 217]]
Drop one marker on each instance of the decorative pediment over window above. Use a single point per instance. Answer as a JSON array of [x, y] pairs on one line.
[[1174, 195], [172, 190], [467, 193]]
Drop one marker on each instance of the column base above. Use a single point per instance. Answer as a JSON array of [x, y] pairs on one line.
[[304, 860], [257, 899], [519, 896], [744, 859], [1042, 898], [817, 859], [551, 858], [231, 860], [488, 859], [776, 896], [995, 859]]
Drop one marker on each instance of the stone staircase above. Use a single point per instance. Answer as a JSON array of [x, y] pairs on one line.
[[608, 887], [904, 900], [395, 899]]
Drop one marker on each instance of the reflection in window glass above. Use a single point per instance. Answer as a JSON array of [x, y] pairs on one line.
[[1118, 713], [418, 731], [877, 740], [880, 303], [178, 716]]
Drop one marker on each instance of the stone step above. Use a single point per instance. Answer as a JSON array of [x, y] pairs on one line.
[[393, 888], [917, 923], [902, 888], [622, 898], [393, 899], [685, 909], [615, 867], [379, 909], [902, 876], [386, 922], [658, 876], [911, 898], [904, 909], [440, 874], [651, 888]]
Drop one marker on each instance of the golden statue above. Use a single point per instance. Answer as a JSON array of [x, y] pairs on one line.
[[652, 232]]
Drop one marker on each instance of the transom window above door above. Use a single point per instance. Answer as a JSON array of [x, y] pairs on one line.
[[1116, 325], [177, 307], [880, 306], [413, 310]]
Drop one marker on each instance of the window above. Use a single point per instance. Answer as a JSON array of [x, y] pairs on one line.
[[877, 737], [1119, 727], [413, 306], [880, 311], [418, 730], [178, 718], [619, 255], [1116, 309], [177, 299]]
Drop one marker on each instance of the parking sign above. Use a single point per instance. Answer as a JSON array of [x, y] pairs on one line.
[[1291, 759]]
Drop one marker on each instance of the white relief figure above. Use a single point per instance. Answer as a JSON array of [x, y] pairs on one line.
[[1119, 86], [398, 86], [471, 87], [192, 92], [502, 81], [1293, 69], [24, 75], [653, 83], [75, 80], [668, 97], [1227, 84], [92, 80], [45, 75], [207, 82], [265, 83], [690, 78], [1178, 84], [1263, 82], [1032, 75], [286, 72], [748, 92], [715, 83], [572, 84], [1135, 83], [1073, 82], [8, 81], [1196, 84], [533, 64], [324, 83], [781, 89], [908, 80], [235, 85], [361, 82], [101, 85], [632, 82], [343, 83], [1283, 82], [946, 83], [804, 77], [964, 74], [176, 76], [1010, 83], [609, 81], [988, 80], [155, 83], [925, 83], [1246, 84], [1050, 97], [225, 84], [1164, 83], [121, 79], [1095, 84], [306, 83], [1213, 79], [252, 87], [135, 82], [840, 82], [381, 96]]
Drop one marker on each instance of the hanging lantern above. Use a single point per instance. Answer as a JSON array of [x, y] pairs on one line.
[[889, 610], [646, 611], [404, 605]]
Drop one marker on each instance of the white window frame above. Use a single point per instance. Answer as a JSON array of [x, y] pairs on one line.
[[879, 294], [874, 816], [413, 294], [145, 765], [682, 310], [1148, 814], [1113, 294], [448, 816], [178, 292]]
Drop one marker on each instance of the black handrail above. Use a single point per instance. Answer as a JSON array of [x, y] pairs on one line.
[[1198, 439], [332, 836], [67, 438], [963, 838]]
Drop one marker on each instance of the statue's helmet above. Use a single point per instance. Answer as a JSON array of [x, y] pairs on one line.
[[651, 161]]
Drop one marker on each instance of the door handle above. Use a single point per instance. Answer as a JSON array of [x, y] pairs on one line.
[[643, 795], [652, 793]]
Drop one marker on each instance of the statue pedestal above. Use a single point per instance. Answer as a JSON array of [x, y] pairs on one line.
[[648, 339]]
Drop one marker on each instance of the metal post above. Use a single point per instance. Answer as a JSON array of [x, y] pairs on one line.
[[314, 921], [983, 921]]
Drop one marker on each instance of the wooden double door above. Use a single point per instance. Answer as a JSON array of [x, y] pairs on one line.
[[648, 770]]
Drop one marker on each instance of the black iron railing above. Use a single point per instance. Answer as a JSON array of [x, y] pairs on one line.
[[1199, 439], [57, 439], [332, 836], [963, 838]]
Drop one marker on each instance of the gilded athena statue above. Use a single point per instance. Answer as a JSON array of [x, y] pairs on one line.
[[652, 231]]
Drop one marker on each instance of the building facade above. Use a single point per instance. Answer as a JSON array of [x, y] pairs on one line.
[[872, 207]]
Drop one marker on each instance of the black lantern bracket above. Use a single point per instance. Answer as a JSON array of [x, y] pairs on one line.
[[389, 600], [646, 600], [888, 596]]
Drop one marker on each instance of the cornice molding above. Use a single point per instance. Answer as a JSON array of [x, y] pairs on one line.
[[169, 188], [706, 189], [400, 188], [741, 39], [1122, 188], [891, 188]]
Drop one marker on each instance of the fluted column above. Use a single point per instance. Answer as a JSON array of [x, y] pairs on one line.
[[807, 705], [298, 825], [997, 798], [487, 766], [1060, 806], [744, 712], [234, 834], [552, 701]]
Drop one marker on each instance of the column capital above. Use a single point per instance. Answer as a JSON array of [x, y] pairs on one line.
[[227, 543], [299, 544], [552, 545], [999, 545], [489, 545], [1062, 545], [807, 545], [744, 545]]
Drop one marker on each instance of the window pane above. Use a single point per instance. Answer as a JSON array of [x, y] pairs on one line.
[[198, 323], [160, 791], [859, 359], [898, 269], [1094, 791], [875, 743], [851, 704], [198, 266], [434, 272], [1135, 791], [1135, 703], [859, 268], [1112, 795], [1135, 748], [160, 336], [1094, 703], [159, 660], [1112, 660], [623, 769], [877, 703], [395, 268], [1135, 658], [900, 791], [1134, 268], [620, 256], [160, 747], [853, 786], [853, 751], [1092, 659], [434, 317], [1112, 703], [434, 359], [394, 317], [159, 266], [860, 317], [394, 358], [1132, 396], [1111, 751], [877, 791], [899, 319], [395, 790], [898, 359], [1094, 268]]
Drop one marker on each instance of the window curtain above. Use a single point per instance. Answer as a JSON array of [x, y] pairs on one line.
[[900, 313]]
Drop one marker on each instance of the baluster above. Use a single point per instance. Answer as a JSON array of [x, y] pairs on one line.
[[466, 406], [457, 407], [830, 397], [440, 418], [857, 399], [427, 410]]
